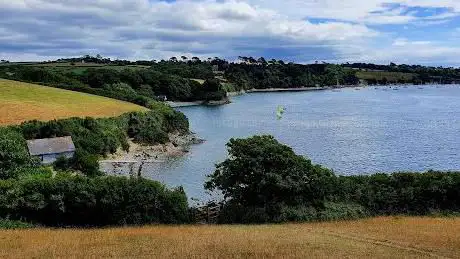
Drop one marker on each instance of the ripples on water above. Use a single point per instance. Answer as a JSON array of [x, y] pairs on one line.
[[353, 132]]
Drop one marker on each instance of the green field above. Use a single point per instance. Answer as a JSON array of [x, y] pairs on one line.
[[386, 237], [79, 68], [21, 102], [379, 75]]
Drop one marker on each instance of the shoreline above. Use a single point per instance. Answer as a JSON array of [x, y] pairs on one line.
[[301, 89], [184, 104], [174, 104], [130, 163]]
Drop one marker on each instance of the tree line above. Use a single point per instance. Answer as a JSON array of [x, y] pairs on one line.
[[175, 78], [262, 181], [136, 85]]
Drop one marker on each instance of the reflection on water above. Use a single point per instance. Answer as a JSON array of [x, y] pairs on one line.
[[352, 132]]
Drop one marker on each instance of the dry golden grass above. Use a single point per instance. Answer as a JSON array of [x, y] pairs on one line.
[[370, 238], [21, 102]]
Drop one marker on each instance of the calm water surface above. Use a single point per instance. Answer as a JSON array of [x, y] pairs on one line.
[[352, 132]]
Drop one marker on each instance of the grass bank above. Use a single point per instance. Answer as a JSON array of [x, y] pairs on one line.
[[390, 76], [385, 237], [21, 102]]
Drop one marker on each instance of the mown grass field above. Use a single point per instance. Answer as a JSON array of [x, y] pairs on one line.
[[370, 238], [21, 102], [80, 68], [379, 75]]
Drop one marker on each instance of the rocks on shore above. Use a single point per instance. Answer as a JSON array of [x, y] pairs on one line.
[[131, 163], [178, 145], [226, 100]]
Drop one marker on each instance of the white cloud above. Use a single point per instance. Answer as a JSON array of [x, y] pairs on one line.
[[143, 29], [368, 11]]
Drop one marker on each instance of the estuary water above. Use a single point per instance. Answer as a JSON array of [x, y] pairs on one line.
[[370, 130]]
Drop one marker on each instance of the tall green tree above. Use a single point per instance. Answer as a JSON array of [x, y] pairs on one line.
[[13, 153], [261, 172]]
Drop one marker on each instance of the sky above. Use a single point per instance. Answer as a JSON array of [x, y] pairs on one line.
[[423, 32]]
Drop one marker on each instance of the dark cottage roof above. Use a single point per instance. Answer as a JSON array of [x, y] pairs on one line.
[[50, 146]]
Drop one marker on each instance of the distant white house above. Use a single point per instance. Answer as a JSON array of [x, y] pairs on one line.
[[50, 149]]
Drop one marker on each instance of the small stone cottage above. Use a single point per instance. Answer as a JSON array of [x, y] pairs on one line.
[[50, 149]]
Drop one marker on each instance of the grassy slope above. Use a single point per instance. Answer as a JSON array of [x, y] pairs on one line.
[[379, 75], [370, 238], [22, 102]]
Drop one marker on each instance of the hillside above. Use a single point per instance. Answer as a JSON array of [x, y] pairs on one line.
[[390, 76], [369, 238], [22, 102]]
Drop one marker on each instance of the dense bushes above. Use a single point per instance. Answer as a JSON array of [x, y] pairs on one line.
[[402, 193], [147, 128], [13, 153], [265, 181], [237, 213], [14, 224], [81, 201]]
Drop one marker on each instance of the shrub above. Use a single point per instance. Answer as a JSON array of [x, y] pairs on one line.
[[14, 224], [13, 153], [234, 213], [79, 201], [147, 128], [403, 193]]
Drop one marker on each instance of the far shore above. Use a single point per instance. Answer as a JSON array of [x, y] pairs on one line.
[[300, 89], [175, 104]]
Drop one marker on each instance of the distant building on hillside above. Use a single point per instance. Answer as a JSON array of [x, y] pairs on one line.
[[50, 149], [162, 98]]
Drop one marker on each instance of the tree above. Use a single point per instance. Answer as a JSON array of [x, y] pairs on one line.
[[333, 74], [212, 85], [261, 172], [262, 61], [13, 153], [252, 60], [184, 58], [173, 59]]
